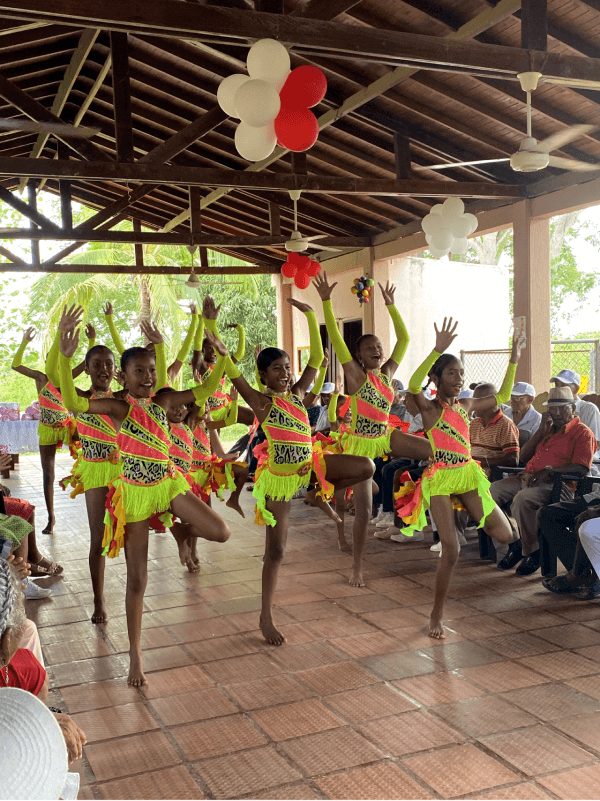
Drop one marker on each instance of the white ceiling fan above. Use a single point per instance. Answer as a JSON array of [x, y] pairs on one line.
[[298, 243], [532, 155]]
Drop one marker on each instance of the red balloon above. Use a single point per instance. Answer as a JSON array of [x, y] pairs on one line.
[[295, 258], [304, 88], [289, 270], [314, 268], [302, 280], [296, 129], [304, 263]]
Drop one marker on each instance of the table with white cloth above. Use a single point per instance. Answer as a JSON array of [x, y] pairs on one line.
[[19, 436]]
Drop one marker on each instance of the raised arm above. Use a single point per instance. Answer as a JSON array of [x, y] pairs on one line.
[[118, 343], [176, 366], [201, 392], [19, 367], [316, 348], [90, 333], [402, 337], [210, 312], [503, 395], [69, 321], [311, 396], [241, 348], [443, 339], [351, 368], [153, 335]]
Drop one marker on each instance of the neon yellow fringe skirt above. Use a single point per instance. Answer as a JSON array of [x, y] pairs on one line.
[[372, 447], [413, 500], [50, 435]]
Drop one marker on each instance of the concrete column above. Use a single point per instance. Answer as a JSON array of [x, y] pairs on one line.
[[531, 248]]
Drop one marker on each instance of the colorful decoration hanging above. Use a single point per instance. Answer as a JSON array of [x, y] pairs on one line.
[[447, 228], [363, 287], [272, 103], [301, 268]]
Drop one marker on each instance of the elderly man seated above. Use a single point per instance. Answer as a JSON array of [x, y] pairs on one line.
[[521, 412], [562, 441], [587, 412], [494, 437]]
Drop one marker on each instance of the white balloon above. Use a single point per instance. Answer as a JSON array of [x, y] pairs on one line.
[[474, 222], [452, 208], [227, 91], [255, 144], [438, 254], [257, 103], [437, 209], [429, 223], [460, 227], [268, 60], [442, 240], [428, 238], [459, 245]]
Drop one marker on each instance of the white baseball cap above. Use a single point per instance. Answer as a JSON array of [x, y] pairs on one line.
[[567, 377], [328, 388], [465, 393], [523, 388]]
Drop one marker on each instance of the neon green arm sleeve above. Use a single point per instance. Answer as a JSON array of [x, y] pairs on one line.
[[187, 342], [232, 370], [71, 399], [503, 396], [18, 357], [231, 418], [415, 385], [337, 341], [199, 334], [161, 365], [402, 337], [316, 346], [211, 325], [320, 380], [118, 342], [51, 367], [210, 386], [259, 383], [241, 348], [332, 410]]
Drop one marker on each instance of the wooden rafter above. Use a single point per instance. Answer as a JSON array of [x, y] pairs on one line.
[[147, 269]]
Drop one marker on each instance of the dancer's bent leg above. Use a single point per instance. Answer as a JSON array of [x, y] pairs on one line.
[[409, 446], [496, 524]]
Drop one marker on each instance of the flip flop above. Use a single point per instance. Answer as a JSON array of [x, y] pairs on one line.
[[47, 569], [562, 585]]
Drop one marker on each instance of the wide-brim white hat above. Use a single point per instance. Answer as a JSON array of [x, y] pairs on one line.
[[33, 753]]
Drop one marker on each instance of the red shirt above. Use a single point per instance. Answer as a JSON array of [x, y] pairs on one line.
[[573, 444], [24, 672]]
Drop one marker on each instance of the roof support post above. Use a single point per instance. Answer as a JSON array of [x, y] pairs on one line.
[[32, 198], [531, 247], [534, 24], [121, 96]]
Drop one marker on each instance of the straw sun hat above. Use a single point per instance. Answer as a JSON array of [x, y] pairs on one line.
[[33, 753]]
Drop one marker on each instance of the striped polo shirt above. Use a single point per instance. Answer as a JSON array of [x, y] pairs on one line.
[[500, 436]]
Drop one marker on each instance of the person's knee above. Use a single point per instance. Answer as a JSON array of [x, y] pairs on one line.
[[223, 531], [136, 581], [275, 552], [449, 554], [366, 469]]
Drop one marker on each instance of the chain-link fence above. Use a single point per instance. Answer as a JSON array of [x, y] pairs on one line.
[[580, 355]]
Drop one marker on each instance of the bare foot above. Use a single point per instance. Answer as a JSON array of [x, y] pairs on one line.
[[49, 526], [343, 544], [234, 503], [270, 633], [192, 565], [356, 579], [436, 630], [315, 500], [100, 614], [182, 544], [136, 676]]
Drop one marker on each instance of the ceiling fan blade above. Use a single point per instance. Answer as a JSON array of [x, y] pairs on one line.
[[31, 126], [572, 83], [561, 138], [571, 164], [457, 164]]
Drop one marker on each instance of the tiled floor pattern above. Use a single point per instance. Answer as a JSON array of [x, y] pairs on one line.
[[359, 703]]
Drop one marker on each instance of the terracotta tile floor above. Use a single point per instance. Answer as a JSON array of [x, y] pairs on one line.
[[359, 703]]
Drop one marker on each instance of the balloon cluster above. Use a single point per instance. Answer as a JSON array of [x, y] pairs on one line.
[[363, 287], [447, 228], [301, 268], [272, 103]]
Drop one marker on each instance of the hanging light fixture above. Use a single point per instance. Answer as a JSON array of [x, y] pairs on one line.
[[193, 282]]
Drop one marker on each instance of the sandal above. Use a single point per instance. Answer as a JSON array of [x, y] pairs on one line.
[[45, 568], [560, 584], [588, 593]]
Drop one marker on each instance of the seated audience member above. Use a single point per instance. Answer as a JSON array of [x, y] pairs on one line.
[[398, 408], [521, 412], [559, 524], [323, 420], [18, 666], [561, 441], [465, 398], [582, 576], [587, 412], [494, 438]]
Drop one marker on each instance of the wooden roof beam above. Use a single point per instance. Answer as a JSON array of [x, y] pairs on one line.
[[121, 96], [129, 269]]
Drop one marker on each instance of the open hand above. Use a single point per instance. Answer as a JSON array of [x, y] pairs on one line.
[[446, 336], [518, 344], [257, 350], [209, 310], [69, 341], [216, 343], [20, 565], [193, 308], [151, 332], [325, 362], [75, 737], [90, 331], [388, 293], [108, 309], [323, 287], [339, 385], [233, 393], [29, 334], [303, 307], [71, 318]]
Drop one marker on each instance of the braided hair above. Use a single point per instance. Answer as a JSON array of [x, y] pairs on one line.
[[438, 367], [12, 610]]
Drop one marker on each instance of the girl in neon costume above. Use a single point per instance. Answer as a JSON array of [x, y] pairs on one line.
[[453, 471], [56, 424], [368, 378], [149, 483], [290, 457]]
